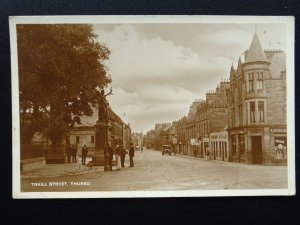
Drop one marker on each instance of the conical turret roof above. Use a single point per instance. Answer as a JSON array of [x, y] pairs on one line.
[[256, 52]]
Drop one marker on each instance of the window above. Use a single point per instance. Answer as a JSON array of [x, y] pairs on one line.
[[232, 117], [233, 141], [259, 81], [252, 112], [242, 146], [77, 139], [261, 111], [240, 114], [251, 81], [92, 139]]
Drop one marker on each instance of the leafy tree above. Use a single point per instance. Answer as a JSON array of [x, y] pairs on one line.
[[61, 68]]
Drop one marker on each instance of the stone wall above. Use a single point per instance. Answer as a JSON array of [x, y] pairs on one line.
[[276, 105], [217, 118], [32, 164]]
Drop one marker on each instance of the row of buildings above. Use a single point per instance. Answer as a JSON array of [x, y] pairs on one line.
[[242, 120]]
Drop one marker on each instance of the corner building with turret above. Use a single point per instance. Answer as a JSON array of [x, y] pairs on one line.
[[257, 107]]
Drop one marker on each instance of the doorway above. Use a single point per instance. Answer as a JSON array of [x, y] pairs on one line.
[[256, 150]]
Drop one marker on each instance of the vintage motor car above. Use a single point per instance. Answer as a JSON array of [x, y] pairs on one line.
[[166, 149]]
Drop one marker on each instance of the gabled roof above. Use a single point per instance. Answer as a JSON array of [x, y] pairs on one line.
[[256, 52]]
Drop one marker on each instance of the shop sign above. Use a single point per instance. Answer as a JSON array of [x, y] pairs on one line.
[[205, 139], [223, 136], [214, 136], [195, 142], [218, 106], [278, 130]]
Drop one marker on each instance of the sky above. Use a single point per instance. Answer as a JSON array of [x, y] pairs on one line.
[[158, 70]]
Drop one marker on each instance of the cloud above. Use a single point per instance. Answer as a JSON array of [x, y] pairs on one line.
[[159, 69]]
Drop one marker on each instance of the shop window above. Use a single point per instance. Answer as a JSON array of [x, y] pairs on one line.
[[280, 148], [77, 139], [92, 139], [252, 112], [261, 111]]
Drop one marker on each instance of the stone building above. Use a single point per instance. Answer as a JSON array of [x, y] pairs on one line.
[[85, 133], [257, 107], [192, 134], [212, 115], [181, 135]]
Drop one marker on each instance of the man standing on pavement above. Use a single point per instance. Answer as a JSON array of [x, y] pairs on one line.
[[84, 152], [131, 154], [74, 153], [123, 154]]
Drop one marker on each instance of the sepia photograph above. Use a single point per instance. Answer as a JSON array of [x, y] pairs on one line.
[[152, 106]]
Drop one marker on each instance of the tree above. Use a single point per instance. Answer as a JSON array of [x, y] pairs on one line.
[[61, 69]]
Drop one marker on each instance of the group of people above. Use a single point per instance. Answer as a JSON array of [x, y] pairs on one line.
[[71, 152], [120, 153]]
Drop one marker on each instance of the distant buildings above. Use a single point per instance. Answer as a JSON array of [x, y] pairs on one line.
[[243, 119], [85, 133]]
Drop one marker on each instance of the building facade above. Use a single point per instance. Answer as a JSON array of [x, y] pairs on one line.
[[212, 116], [257, 107]]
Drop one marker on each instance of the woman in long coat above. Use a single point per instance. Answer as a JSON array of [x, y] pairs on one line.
[[118, 157]]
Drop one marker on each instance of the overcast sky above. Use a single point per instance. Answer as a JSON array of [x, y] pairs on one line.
[[158, 70]]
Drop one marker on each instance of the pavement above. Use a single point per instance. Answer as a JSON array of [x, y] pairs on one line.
[[59, 170]]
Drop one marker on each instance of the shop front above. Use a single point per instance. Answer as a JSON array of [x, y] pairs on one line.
[[205, 147], [259, 145], [219, 146]]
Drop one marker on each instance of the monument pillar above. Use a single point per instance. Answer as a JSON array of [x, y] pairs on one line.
[[102, 139]]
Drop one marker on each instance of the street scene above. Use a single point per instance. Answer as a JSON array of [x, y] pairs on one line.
[[151, 106], [155, 172]]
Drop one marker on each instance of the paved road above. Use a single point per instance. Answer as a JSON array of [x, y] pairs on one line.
[[155, 172]]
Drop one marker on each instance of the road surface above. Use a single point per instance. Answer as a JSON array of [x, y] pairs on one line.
[[154, 172]]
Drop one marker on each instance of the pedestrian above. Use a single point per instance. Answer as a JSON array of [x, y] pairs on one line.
[[74, 153], [68, 152], [118, 157], [207, 154], [131, 154], [123, 155], [84, 152], [110, 152]]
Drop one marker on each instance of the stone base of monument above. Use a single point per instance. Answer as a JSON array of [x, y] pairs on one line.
[[55, 158], [98, 158]]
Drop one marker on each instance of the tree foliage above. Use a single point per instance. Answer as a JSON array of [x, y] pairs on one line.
[[61, 67]]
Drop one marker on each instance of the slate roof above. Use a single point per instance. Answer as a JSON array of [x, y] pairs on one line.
[[256, 52]]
